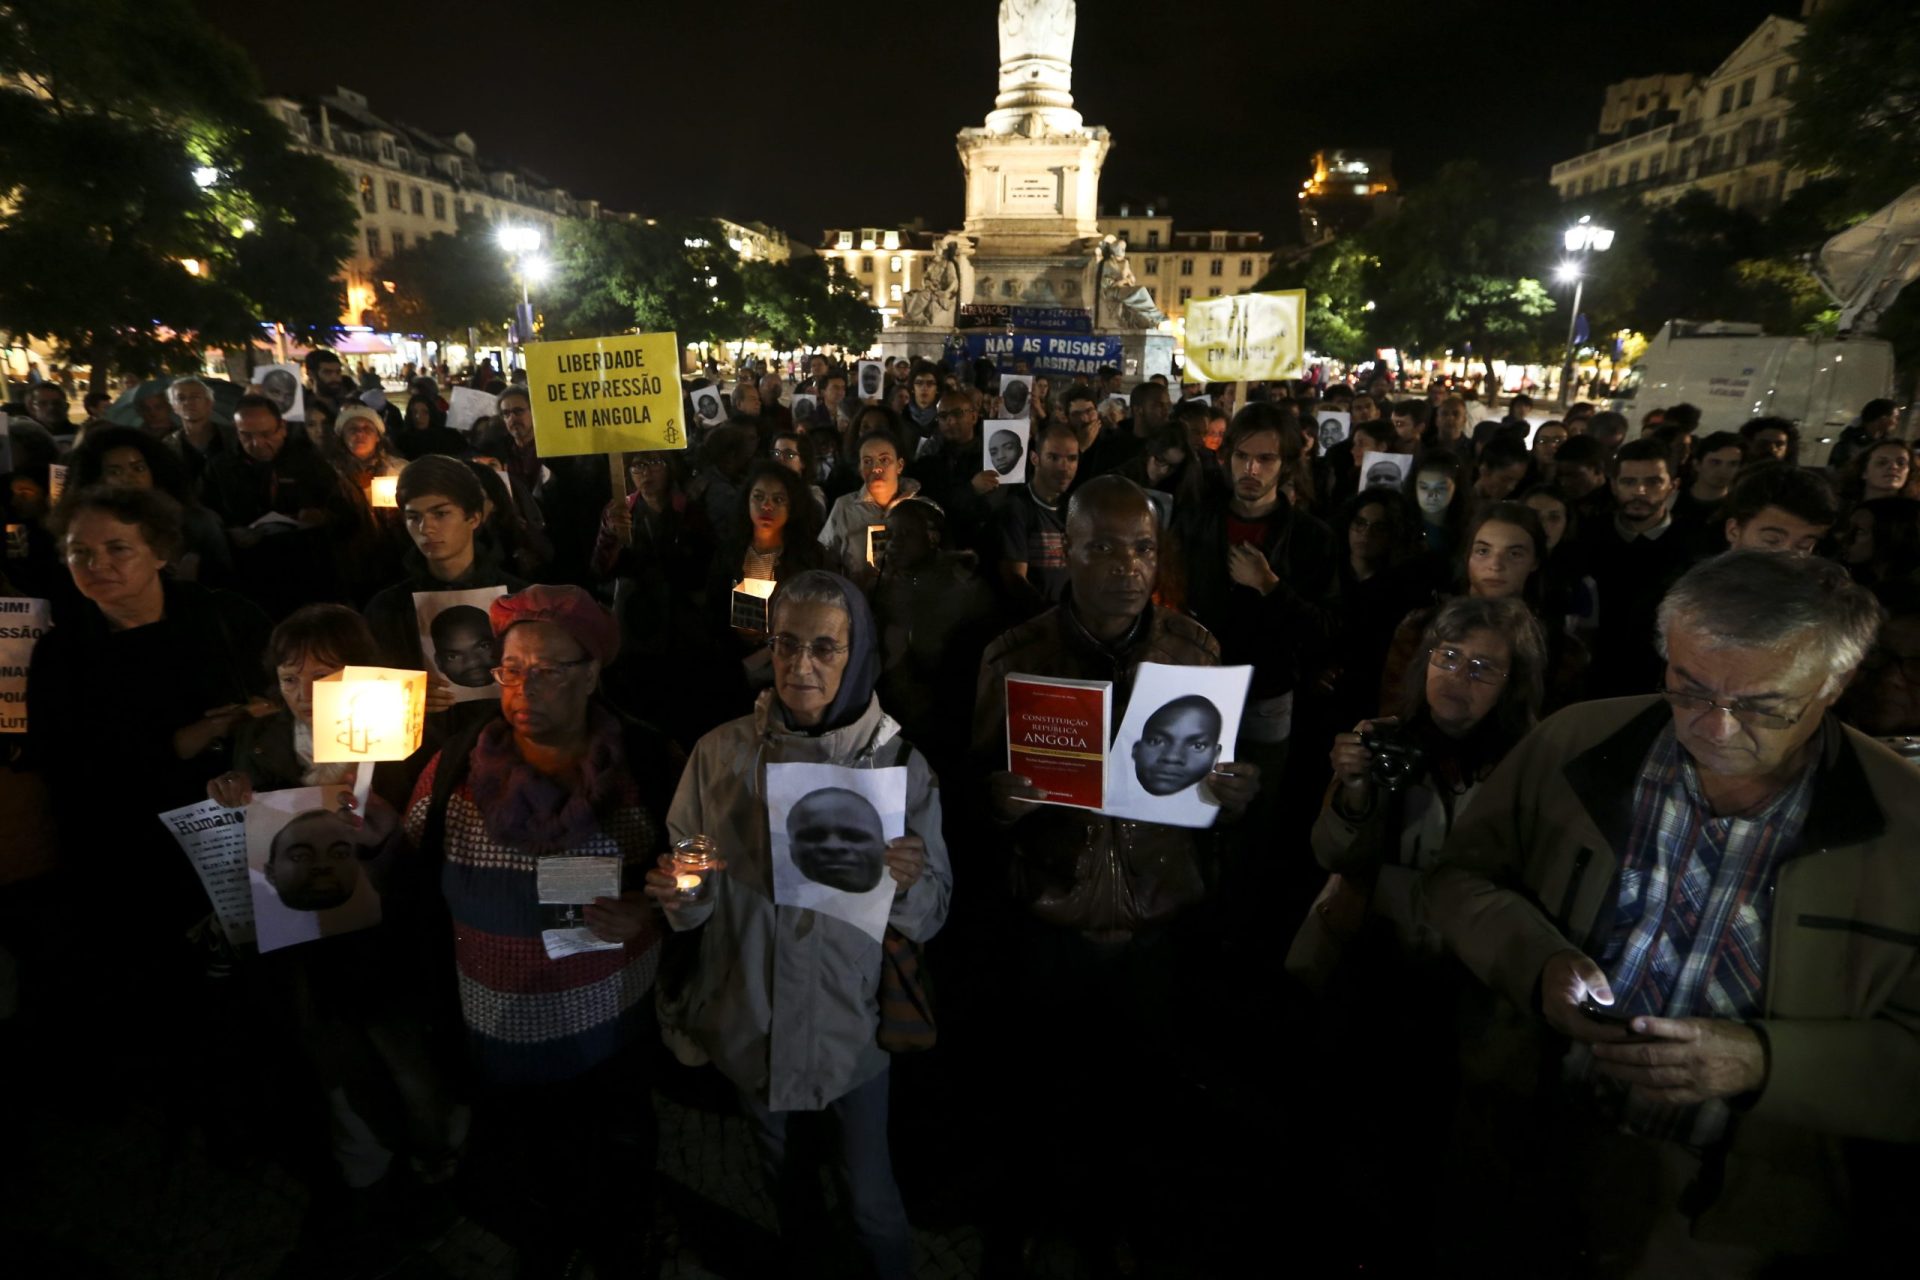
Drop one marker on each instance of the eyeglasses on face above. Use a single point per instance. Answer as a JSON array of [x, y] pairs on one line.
[[787, 648], [538, 675], [1694, 705], [1479, 670]]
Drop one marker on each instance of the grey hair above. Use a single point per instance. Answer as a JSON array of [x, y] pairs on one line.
[[1802, 605], [1525, 686], [189, 381], [815, 586]]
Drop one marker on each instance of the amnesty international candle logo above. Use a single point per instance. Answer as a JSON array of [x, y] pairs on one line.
[[368, 713], [606, 395]]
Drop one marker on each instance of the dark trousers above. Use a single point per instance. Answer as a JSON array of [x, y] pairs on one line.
[[569, 1164], [863, 1167]]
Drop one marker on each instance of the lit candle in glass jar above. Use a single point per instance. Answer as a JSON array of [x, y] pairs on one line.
[[693, 858]]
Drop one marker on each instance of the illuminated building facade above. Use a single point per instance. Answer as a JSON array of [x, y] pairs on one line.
[[1350, 187]]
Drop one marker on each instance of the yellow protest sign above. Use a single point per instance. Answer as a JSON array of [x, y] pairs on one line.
[[606, 395], [1250, 337]]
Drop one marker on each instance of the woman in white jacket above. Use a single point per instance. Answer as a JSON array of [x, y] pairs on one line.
[[785, 1000]]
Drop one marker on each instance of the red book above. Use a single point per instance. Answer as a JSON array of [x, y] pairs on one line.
[[1057, 736]]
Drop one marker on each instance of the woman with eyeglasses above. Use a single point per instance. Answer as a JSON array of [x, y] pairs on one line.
[[533, 831], [785, 1002], [794, 451]]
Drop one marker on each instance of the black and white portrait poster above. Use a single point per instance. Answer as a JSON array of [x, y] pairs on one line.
[[870, 376], [1016, 396], [803, 409], [456, 639], [1005, 442], [280, 383], [1384, 470], [708, 408], [1180, 723], [1334, 428], [829, 827], [307, 867]]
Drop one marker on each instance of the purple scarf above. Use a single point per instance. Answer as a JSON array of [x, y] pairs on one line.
[[526, 809]]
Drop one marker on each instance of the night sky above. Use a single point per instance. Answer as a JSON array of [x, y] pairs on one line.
[[808, 117]]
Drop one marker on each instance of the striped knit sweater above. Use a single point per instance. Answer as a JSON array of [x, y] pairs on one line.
[[532, 1019]]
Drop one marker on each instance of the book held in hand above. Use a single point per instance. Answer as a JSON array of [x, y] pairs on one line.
[[1057, 737]]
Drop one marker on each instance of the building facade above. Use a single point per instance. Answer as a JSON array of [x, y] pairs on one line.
[[1349, 188], [888, 262], [1723, 133], [409, 184]]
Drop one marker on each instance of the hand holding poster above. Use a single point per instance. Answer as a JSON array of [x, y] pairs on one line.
[[828, 828], [1250, 337], [1180, 723], [606, 395], [1004, 441], [456, 636], [306, 867]]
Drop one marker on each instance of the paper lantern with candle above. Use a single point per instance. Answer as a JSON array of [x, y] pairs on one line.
[[385, 491], [368, 713]]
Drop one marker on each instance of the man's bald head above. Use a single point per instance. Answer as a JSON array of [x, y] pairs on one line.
[[1107, 497]]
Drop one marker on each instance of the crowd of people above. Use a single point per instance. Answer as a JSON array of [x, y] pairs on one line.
[[1560, 916]]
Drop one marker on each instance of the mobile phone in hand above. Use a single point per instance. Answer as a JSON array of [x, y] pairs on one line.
[[1611, 1014]]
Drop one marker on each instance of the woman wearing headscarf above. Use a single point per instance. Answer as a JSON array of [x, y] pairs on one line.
[[554, 996], [784, 1000]]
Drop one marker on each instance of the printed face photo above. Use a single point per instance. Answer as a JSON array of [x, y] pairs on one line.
[[280, 387], [707, 406], [802, 408], [837, 840], [314, 861], [1178, 747], [1383, 475], [869, 380], [1005, 451], [463, 646], [1015, 399]]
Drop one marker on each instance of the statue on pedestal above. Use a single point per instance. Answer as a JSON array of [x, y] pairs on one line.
[[1036, 69], [937, 300], [1124, 303]]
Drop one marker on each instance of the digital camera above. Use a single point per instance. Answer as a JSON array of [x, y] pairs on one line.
[[1397, 758]]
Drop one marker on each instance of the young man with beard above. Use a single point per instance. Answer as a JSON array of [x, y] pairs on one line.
[[1256, 572], [1633, 558], [1029, 521], [949, 469], [921, 421]]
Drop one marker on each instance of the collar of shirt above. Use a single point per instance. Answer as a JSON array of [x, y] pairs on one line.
[[1649, 535]]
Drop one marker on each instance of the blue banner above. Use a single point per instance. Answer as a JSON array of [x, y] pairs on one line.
[[1043, 353]]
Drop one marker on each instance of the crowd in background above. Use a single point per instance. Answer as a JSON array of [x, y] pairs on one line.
[[1343, 961]]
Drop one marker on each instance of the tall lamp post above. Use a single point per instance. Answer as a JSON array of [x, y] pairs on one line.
[[1584, 238], [524, 244]]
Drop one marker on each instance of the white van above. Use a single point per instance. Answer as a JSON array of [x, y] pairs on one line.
[[1734, 372]]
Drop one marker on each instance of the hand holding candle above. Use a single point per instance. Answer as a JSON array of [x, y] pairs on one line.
[[684, 878]]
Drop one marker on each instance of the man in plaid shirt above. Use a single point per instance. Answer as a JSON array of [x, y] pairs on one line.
[[1712, 892]]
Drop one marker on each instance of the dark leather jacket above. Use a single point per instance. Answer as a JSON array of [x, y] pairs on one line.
[[1106, 877]]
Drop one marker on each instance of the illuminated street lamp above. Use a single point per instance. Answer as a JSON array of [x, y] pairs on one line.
[[1583, 238], [524, 244], [205, 176]]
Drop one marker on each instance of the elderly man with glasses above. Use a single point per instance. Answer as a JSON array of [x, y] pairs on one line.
[[1708, 894]]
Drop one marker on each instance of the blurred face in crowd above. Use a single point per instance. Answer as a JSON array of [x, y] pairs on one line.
[[1785, 684], [786, 452], [911, 542], [1154, 410], [296, 683], [327, 376], [649, 478], [1053, 464], [262, 435], [420, 415], [550, 677], [1577, 480], [1367, 536], [926, 388], [746, 397], [769, 388], [1497, 483], [111, 562], [833, 391], [361, 437], [1714, 472], [1776, 529], [1450, 419], [767, 508], [1547, 441], [1162, 463], [880, 470], [192, 403], [1858, 537], [1216, 434], [126, 467], [440, 528], [1407, 428], [1500, 561], [1113, 559], [809, 657], [516, 412], [1885, 470], [1640, 490], [1553, 517], [1365, 409], [957, 420], [1771, 442], [1254, 466], [48, 407], [1457, 702], [156, 416], [1433, 491]]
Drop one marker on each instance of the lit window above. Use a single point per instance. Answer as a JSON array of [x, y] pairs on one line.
[[893, 264], [368, 201], [894, 292]]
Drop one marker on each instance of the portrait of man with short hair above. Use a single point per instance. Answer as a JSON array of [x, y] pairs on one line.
[[1005, 449], [313, 863], [463, 646], [837, 840], [1178, 747]]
